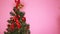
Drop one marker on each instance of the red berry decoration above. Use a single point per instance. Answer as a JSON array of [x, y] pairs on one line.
[[23, 19]]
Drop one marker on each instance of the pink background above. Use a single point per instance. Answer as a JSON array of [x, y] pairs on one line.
[[42, 15]]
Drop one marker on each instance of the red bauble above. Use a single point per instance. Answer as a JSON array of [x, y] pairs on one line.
[[23, 19]]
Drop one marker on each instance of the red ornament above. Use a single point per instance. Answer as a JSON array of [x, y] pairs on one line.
[[23, 19]]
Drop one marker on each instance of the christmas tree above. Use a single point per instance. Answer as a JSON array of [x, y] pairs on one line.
[[17, 23]]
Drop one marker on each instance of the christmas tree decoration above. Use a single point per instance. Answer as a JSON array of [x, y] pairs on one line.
[[20, 6], [24, 19], [17, 3], [17, 23]]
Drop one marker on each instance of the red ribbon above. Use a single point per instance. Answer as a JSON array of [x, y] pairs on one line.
[[17, 22], [17, 3]]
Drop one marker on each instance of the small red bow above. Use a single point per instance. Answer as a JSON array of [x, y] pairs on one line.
[[17, 3]]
